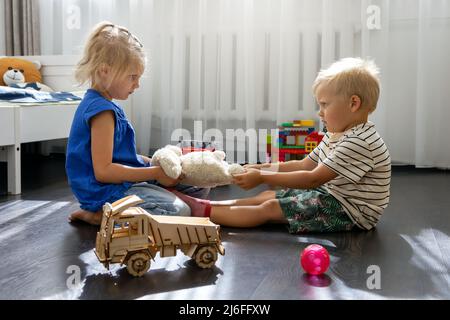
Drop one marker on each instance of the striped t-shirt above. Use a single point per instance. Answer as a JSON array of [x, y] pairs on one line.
[[363, 164]]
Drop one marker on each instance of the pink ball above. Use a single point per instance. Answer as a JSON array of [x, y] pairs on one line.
[[315, 259]]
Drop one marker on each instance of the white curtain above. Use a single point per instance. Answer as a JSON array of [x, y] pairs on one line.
[[249, 64]]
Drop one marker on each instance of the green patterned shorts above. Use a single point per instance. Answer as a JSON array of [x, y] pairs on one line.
[[313, 210]]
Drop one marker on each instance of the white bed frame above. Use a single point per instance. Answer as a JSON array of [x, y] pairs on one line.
[[21, 123], [24, 123]]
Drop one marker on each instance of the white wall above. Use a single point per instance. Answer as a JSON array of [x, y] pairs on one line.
[[2, 27]]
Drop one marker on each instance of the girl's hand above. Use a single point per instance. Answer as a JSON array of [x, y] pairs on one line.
[[146, 159], [165, 180], [249, 179]]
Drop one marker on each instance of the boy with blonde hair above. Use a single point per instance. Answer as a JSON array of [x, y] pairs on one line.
[[343, 183]]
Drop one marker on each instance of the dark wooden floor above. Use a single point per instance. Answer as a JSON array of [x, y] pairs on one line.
[[411, 246]]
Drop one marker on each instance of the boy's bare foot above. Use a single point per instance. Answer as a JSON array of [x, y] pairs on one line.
[[94, 218]]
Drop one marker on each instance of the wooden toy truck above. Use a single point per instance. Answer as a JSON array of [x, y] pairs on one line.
[[131, 236]]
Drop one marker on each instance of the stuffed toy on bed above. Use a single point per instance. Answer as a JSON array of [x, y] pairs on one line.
[[21, 74], [200, 168]]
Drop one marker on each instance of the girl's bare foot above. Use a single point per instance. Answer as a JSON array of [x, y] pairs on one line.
[[94, 218]]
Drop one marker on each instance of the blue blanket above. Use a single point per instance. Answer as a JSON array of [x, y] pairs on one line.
[[29, 95]]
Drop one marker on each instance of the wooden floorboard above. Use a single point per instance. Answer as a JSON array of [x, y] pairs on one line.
[[411, 246]]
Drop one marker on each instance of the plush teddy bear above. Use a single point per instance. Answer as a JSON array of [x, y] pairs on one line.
[[200, 168], [22, 74]]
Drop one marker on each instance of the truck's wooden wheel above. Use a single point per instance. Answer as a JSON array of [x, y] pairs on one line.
[[138, 264], [206, 257]]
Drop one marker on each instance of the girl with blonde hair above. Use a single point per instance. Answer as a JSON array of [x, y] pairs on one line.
[[102, 163]]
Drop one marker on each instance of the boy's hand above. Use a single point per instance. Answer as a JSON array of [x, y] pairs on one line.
[[257, 166], [252, 166], [249, 179]]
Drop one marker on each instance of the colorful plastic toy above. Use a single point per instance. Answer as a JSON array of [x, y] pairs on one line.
[[295, 140], [315, 259]]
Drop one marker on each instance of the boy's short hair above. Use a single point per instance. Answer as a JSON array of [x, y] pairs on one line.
[[353, 76], [111, 45]]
